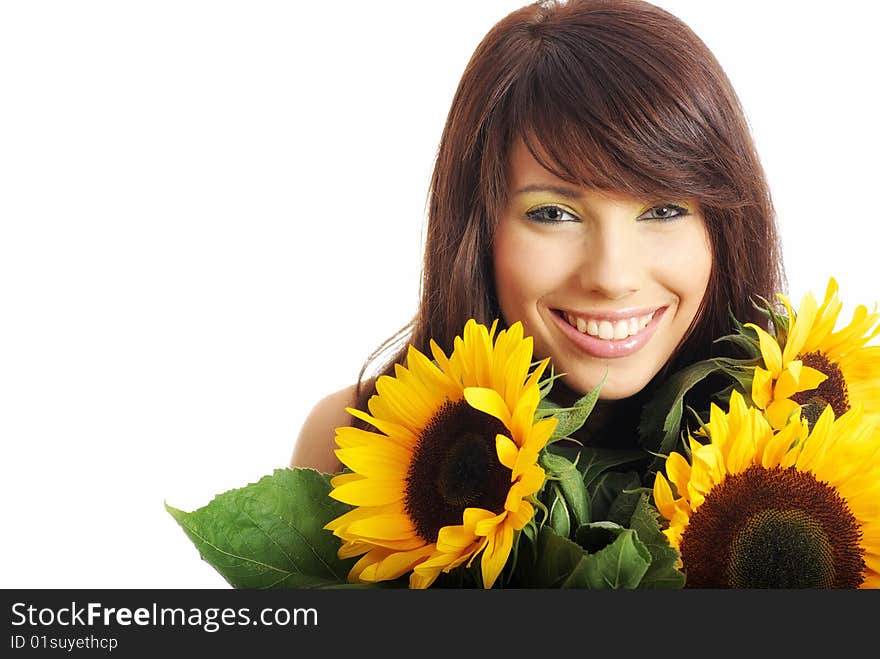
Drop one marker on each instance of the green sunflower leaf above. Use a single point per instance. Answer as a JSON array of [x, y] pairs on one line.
[[614, 496], [591, 462], [570, 419], [744, 343], [553, 559], [270, 534], [561, 563], [559, 520], [660, 424], [570, 485], [544, 387], [662, 572], [621, 564]]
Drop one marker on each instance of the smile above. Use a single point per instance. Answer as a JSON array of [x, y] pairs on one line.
[[609, 335], [606, 329]]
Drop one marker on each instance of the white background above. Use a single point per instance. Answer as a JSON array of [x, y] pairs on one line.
[[211, 212]]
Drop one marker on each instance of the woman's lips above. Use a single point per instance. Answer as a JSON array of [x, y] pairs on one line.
[[608, 348]]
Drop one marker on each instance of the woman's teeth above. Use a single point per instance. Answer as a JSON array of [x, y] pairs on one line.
[[609, 330]]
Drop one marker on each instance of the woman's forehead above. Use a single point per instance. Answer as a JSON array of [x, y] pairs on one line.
[[525, 174]]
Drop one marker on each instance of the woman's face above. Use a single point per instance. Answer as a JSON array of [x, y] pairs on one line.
[[602, 281]]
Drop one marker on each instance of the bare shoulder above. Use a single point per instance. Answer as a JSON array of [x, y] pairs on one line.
[[316, 441]]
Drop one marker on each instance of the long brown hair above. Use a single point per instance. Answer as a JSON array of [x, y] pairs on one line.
[[611, 94]]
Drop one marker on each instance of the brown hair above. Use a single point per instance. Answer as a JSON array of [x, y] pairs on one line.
[[611, 94]]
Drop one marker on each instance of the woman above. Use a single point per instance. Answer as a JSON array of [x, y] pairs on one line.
[[596, 179]]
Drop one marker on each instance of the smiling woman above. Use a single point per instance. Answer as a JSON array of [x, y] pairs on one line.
[[213, 212], [608, 197]]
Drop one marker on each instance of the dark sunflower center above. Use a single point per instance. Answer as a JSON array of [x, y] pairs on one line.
[[778, 549], [455, 466], [832, 391], [773, 528]]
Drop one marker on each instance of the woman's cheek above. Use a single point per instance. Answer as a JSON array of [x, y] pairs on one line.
[[527, 267]]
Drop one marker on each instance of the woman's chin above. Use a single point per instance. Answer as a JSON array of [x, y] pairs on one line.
[[611, 389]]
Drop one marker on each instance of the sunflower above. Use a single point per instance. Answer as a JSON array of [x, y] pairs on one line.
[[814, 365], [449, 474], [762, 508]]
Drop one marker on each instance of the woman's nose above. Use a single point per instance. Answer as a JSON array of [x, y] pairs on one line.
[[611, 266]]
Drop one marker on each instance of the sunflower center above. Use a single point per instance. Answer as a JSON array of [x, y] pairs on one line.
[[455, 466], [832, 391], [773, 528], [777, 548]]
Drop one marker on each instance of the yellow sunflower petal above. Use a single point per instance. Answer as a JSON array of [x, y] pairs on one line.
[[800, 328], [363, 512], [351, 437], [507, 451], [382, 459], [455, 538], [522, 516], [364, 570], [816, 443], [762, 387], [400, 404], [397, 563], [473, 516], [663, 496], [531, 480], [787, 384], [420, 579], [743, 449], [872, 580], [353, 548], [488, 401], [781, 443], [707, 468], [487, 526], [540, 433], [524, 413], [770, 350], [392, 430], [679, 471], [810, 378], [342, 479], [779, 411], [496, 553], [384, 527], [370, 491], [826, 318]]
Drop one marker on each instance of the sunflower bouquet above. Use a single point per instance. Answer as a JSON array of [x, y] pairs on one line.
[[465, 476], [780, 487]]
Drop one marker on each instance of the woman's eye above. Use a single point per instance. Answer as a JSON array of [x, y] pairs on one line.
[[551, 214], [664, 212]]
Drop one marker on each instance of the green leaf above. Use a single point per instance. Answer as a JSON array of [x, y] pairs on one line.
[[553, 559], [745, 343], [559, 519], [778, 319], [592, 462], [661, 422], [570, 419], [544, 387], [596, 536], [615, 496], [622, 564], [570, 485], [270, 534], [557, 562], [662, 572]]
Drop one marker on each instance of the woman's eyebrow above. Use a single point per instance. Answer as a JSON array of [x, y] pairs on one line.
[[569, 193]]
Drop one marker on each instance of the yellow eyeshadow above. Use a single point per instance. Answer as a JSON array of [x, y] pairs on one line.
[[530, 202]]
